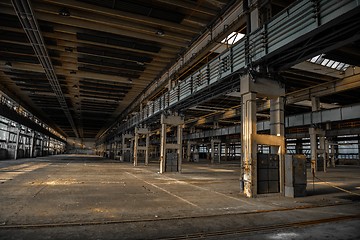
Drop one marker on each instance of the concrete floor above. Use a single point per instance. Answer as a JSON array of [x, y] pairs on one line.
[[87, 197]]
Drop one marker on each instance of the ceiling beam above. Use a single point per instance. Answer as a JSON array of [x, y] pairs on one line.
[[29, 23], [191, 5], [94, 25], [321, 90], [114, 20], [121, 15]]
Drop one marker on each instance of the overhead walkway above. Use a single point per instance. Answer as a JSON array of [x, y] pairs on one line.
[[303, 30]]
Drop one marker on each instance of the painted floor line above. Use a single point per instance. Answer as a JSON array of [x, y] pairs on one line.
[[164, 190]]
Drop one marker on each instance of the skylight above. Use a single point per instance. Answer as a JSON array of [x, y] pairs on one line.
[[320, 59], [232, 38]]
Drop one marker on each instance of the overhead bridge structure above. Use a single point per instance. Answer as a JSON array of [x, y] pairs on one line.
[[303, 30]]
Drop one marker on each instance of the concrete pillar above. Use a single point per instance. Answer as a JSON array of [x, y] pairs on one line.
[[42, 146], [125, 146], [136, 143], [358, 150], [147, 149], [277, 125], [32, 144], [141, 132], [251, 87], [212, 151], [248, 153], [315, 104], [336, 152], [162, 147], [313, 149], [132, 148], [215, 143], [188, 151], [17, 143], [322, 150], [219, 151], [254, 16], [180, 150], [226, 151], [333, 155], [298, 146], [171, 121], [115, 147], [122, 158]]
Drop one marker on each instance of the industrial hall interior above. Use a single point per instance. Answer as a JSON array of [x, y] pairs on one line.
[[179, 119]]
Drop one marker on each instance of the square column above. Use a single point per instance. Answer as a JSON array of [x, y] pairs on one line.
[[17, 144], [248, 149], [180, 148], [188, 151], [136, 142], [315, 150], [42, 146], [298, 146], [125, 147], [178, 122], [215, 143], [141, 132], [32, 144], [162, 146], [250, 89], [147, 149]]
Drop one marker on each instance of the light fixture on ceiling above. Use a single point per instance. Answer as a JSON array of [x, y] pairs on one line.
[[64, 12], [160, 32], [8, 64], [140, 63]]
